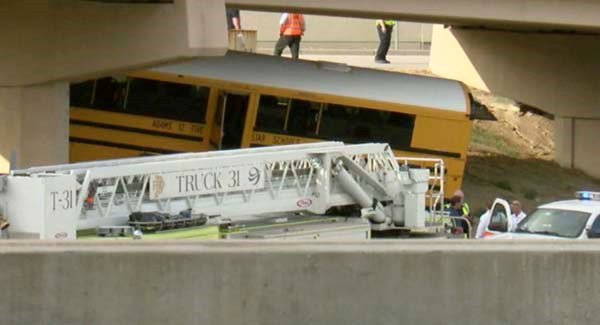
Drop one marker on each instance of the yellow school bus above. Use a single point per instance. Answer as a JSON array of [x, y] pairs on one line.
[[248, 100]]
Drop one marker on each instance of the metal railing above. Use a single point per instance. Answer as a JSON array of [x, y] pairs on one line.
[[435, 193], [469, 225]]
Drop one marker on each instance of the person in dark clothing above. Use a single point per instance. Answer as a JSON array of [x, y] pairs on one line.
[[456, 210], [384, 30], [233, 19]]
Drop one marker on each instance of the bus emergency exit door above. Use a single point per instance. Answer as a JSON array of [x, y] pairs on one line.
[[228, 123]]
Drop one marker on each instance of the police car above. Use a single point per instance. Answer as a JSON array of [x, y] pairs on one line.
[[573, 219]]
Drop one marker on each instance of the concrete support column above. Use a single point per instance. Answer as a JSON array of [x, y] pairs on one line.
[[577, 144], [449, 59], [563, 141], [34, 125]]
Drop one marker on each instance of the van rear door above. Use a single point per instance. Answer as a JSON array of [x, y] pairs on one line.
[[500, 220]]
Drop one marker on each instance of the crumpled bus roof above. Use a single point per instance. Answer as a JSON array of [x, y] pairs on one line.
[[327, 78]]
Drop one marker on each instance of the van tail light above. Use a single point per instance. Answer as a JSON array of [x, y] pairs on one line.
[[488, 234], [457, 231]]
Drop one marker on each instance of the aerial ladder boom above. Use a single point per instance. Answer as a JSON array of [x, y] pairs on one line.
[[56, 201]]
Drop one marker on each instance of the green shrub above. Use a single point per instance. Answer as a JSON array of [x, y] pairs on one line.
[[530, 194], [505, 185]]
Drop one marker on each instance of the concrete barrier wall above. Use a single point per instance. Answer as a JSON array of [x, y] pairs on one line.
[[380, 282]]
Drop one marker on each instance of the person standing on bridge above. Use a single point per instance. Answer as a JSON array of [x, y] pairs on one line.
[[4, 224], [291, 29], [233, 19], [234, 25], [384, 30]]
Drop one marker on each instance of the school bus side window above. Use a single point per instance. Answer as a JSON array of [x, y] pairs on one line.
[[80, 94], [303, 118], [399, 129], [357, 124], [107, 94], [169, 100], [272, 111]]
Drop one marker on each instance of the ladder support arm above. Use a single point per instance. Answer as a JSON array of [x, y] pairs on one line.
[[349, 185]]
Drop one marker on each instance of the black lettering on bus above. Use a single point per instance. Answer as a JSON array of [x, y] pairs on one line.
[[161, 124], [258, 137], [196, 128]]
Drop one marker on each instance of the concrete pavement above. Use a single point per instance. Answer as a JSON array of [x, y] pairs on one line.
[[398, 61]]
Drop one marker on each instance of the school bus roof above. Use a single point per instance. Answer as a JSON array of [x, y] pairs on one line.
[[326, 78]]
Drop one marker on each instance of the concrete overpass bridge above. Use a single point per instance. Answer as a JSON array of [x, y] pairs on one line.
[[542, 53]]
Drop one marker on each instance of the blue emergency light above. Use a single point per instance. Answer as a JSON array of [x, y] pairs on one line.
[[587, 196]]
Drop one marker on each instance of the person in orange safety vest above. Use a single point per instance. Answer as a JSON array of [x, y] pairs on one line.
[[291, 29]]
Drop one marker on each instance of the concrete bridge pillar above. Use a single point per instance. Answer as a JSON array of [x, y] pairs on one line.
[[34, 125], [555, 72], [577, 145], [46, 43]]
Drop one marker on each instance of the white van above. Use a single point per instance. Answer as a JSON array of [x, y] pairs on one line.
[[573, 219]]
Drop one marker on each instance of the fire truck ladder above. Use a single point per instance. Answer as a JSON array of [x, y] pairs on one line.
[[309, 178]]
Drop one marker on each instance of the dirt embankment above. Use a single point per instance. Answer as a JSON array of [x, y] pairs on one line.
[[512, 158], [518, 132]]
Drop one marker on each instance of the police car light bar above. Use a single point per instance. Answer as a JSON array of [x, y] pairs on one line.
[[588, 196]]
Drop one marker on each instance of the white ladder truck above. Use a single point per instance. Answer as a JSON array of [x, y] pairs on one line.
[[236, 187]]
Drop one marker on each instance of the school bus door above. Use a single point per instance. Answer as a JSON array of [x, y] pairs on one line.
[[216, 123], [229, 120]]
